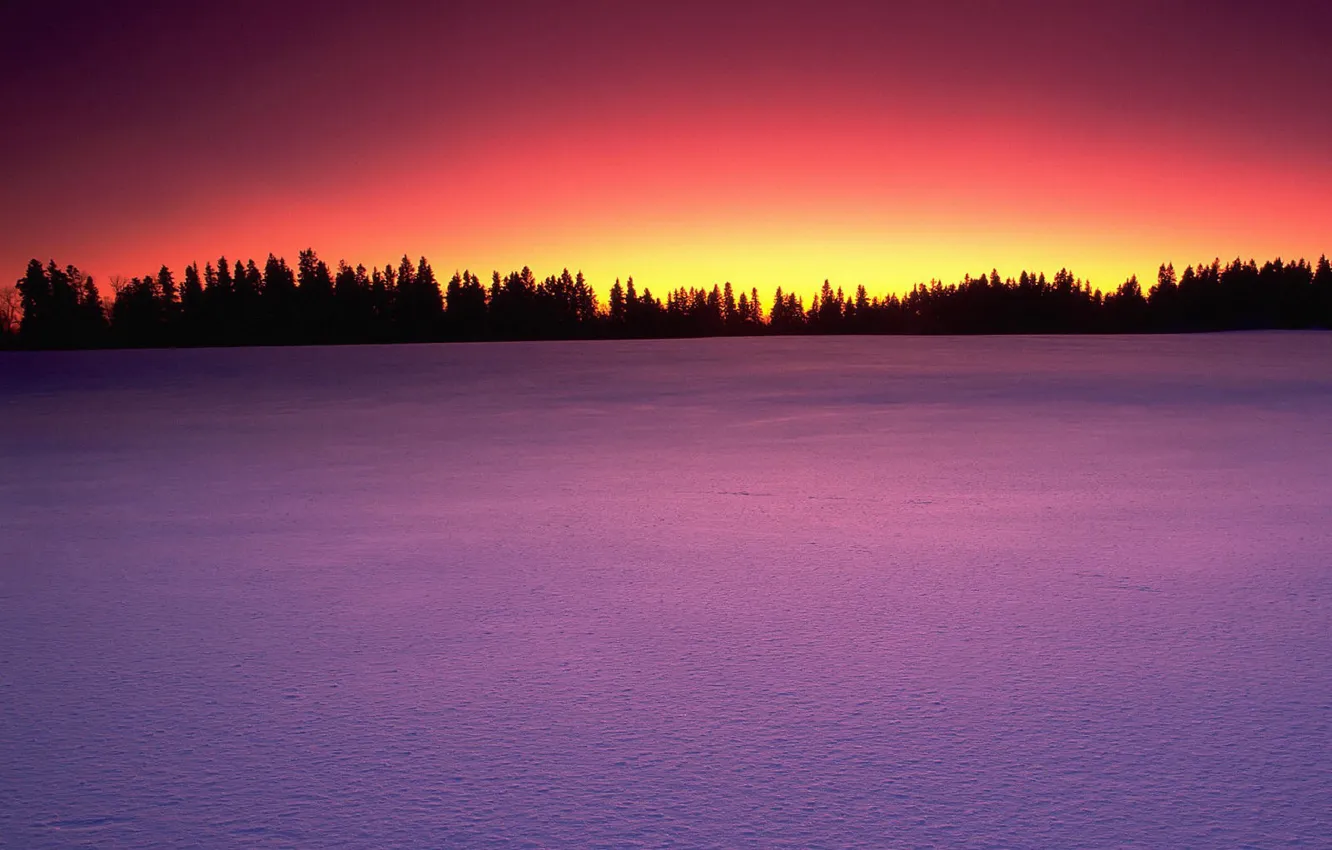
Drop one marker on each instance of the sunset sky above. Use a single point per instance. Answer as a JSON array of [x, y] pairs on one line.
[[683, 143]]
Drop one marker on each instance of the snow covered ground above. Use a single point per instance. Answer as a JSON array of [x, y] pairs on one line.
[[907, 592]]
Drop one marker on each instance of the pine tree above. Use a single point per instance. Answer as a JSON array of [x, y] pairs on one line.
[[166, 289], [617, 311], [35, 301], [92, 315], [1322, 292], [191, 291]]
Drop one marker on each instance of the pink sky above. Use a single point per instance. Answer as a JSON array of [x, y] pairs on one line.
[[683, 144]]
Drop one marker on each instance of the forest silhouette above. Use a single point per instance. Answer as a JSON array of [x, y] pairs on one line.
[[311, 304]]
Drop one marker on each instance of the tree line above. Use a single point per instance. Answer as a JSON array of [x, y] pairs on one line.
[[227, 304]]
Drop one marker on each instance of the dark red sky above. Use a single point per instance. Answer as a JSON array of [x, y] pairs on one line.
[[683, 143]]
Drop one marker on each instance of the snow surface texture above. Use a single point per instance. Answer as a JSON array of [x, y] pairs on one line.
[[955, 593]]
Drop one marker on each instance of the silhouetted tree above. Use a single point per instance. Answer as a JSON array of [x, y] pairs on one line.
[[246, 317], [92, 322], [10, 312], [617, 310], [169, 306], [314, 299], [1126, 308], [1164, 299], [1322, 293], [513, 305], [279, 304], [730, 309], [136, 314], [53, 305], [238, 304], [465, 308], [37, 306]]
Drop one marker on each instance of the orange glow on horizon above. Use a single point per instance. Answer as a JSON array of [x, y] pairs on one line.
[[780, 194]]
